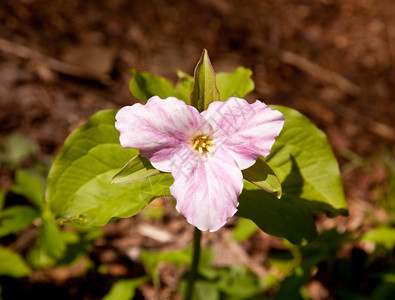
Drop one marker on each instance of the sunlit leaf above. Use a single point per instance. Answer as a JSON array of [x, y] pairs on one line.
[[144, 85], [204, 88], [184, 87], [306, 166], [12, 264], [239, 282], [79, 184], [29, 185], [236, 84], [205, 290], [244, 229], [308, 171], [383, 235], [16, 218], [124, 289], [50, 238]]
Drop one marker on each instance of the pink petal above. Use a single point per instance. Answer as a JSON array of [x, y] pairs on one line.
[[159, 129], [247, 131], [207, 188]]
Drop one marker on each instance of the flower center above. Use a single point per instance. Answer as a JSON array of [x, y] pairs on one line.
[[203, 144]]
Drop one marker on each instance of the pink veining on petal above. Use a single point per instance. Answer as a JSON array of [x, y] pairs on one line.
[[159, 129], [248, 131], [207, 189], [205, 152]]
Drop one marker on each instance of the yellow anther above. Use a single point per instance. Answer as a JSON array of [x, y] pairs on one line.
[[202, 144]]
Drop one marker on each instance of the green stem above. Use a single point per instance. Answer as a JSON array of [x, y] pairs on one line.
[[195, 262]]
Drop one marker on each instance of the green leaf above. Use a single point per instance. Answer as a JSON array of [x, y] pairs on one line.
[[144, 85], [184, 87], [12, 264], [303, 160], [124, 289], [50, 245], [50, 238], [205, 290], [236, 84], [16, 148], [16, 218], [3, 193], [239, 282], [284, 217], [136, 169], [310, 178], [383, 235], [29, 185], [244, 229], [39, 259], [261, 175], [79, 184], [78, 244], [204, 88]]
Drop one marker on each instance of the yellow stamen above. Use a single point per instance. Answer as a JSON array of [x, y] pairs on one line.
[[202, 144]]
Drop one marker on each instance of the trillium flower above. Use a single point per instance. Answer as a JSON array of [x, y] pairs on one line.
[[204, 152]]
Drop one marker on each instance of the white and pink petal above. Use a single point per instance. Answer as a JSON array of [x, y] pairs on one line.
[[159, 129], [207, 188], [247, 131]]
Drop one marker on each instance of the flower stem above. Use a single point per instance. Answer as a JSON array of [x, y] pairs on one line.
[[195, 262]]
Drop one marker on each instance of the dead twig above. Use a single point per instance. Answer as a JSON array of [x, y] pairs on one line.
[[51, 63], [320, 73]]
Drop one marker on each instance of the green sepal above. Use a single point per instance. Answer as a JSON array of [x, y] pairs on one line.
[[261, 175], [136, 169], [204, 88]]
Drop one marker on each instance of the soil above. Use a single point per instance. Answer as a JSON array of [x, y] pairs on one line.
[[61, 61]]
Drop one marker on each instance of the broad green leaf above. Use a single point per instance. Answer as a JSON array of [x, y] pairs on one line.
[[78, 244], [12, 264], [261, 175], [16, 218], [303, 160], [310, 178], [50, 245], [284, 217], [383, 235], [239, 282], [79, 184], [204, 88], [151, 260], [205, 290], [244, 229], [184, 87], [27, 184], [50, 238], [124, 289], [136, 169], [38, 258], [144, 85], [236, 84]]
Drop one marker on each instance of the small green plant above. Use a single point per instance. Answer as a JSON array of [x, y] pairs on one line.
[[213, 151]]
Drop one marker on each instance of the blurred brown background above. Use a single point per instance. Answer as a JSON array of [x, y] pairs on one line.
[[333, 60]]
